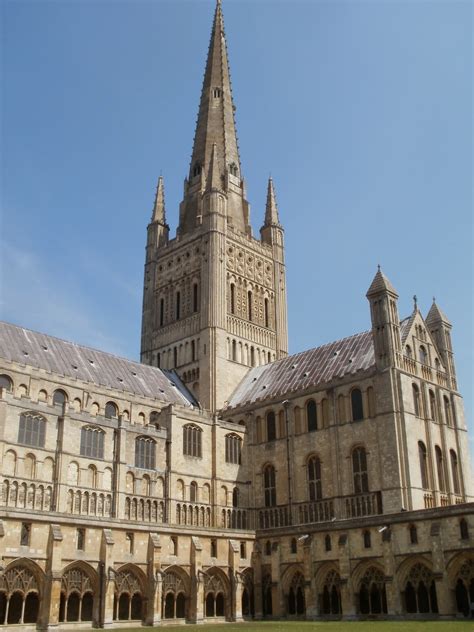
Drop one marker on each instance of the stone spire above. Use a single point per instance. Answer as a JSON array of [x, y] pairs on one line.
[[215, 123], [380, 284], [159, 207], [435, 315], [271, 210]]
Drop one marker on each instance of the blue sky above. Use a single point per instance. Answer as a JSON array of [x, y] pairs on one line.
[[361, 111]]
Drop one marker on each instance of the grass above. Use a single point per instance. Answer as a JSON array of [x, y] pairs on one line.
[[333, 626]]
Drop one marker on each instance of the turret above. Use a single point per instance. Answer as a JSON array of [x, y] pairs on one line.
[[440, 329], [383, 300]]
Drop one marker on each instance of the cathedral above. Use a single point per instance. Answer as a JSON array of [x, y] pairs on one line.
[[219, 478]]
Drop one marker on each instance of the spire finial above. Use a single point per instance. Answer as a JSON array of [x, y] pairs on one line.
[[415, 302], [434, 299], [378, 267]]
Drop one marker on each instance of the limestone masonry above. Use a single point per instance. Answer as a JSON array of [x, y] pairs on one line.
[[220, 478]]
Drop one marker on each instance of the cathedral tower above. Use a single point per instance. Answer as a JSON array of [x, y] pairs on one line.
[[214, 301]]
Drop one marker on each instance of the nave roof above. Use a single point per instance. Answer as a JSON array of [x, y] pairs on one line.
[[75, 361]]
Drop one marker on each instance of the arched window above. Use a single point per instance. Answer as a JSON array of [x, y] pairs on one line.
[[413, 534], [423, 355], [271, 426], [192, 441], [92, 442], [311, 415], [331, 597], [314, 478], [367, 539], [327, 542], [29, 466], [92, 476], [463, 529], [235, 497], [267, 318], [294, 546], [234, 350], [408, 352], [433, 405], [372, 595], [145, 453], [359, 470], [193, 350], [356, 405], [216, 93], [178, 305], [233, 448], [416, 400], [455, 472], [232, 298], [196, 169], [32, 430], [193, 492], [195, 297], [423, 464], [6, 383], [447, 411], [59, 398], [420, 591], [249, 305], [111, 410], [269, 486], [440, 468], [20, 590]]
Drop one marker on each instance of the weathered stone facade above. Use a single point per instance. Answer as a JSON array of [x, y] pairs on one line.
[[221, 479]]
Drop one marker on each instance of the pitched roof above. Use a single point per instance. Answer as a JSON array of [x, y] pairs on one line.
[[305, 369], [405, 326], [90, 365]]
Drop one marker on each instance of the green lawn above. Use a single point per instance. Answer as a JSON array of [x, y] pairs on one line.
[[333, 626]]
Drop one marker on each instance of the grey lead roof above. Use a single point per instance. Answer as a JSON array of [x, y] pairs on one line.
[[89, 365], [306, 369]]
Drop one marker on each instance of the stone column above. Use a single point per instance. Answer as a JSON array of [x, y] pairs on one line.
[[49, 610], [348, 600], [197, 589], [257, 585], [107, 587], [155, 580]]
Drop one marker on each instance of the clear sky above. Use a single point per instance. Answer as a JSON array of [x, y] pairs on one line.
[[360, 110]]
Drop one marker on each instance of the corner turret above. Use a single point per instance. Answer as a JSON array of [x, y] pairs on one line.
[[440, 329], [383, 300]]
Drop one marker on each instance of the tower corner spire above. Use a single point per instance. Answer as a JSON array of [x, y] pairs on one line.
[[159, 212], [271, 208]]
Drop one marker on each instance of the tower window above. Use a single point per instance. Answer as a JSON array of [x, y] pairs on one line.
[[433, 405], [130, 542], [447, 411], [32, 430], [440, 468], [196, 169], [423, 355], [59, 398], [267, 319], [423, 464], [213, 547], [232, 298], [216, 93], [416, 400], [162, 311], [111, 410], [233, 169], [175, 356], [233, 447], [455, 471], [178, 305], [249, 301], [193, 350], [195, 297]]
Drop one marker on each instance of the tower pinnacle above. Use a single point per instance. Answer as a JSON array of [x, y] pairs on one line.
[[271, 209], [159, 207]]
